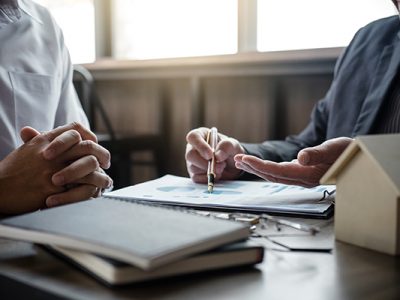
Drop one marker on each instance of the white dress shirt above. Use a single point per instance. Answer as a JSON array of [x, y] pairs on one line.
[[35, 74]]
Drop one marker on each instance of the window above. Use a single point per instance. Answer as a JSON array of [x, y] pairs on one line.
[[145, 29], [294, 24], [148, 29], [76, 19]]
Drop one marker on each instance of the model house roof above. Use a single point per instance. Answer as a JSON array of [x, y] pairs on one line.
[[383, 150]]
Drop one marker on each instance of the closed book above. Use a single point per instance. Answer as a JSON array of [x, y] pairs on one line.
[[143, 235], [114, 272]]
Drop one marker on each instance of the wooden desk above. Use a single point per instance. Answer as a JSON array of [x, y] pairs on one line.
[[347, 273]]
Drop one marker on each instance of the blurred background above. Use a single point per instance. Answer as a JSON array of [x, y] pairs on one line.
[[253, 68]]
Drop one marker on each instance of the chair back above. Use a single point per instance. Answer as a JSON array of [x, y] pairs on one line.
[[90, 101]]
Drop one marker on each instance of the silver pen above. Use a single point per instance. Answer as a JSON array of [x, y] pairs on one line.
[[212, 140]]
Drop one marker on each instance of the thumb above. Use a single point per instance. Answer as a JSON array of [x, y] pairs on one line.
[[326, 153], [227, 149], [27, 133]]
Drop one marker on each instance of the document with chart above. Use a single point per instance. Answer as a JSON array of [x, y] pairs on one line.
[[255, 196]]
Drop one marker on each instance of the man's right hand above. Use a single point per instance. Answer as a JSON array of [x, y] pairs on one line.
[[198, 153]]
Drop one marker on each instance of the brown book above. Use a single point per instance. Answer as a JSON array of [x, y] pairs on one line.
[[114, 272]]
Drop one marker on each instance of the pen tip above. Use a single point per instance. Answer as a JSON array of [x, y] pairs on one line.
[[211, 178]]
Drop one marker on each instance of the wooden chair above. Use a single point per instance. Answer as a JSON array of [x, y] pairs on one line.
[[120, 147]]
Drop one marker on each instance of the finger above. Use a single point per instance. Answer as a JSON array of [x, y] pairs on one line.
[[79, 193], [76, 170], [88, 147], [197, 139], [199, 178], [284, 171], [238, 157], [98, 179], [247, 168], [193, 157], [325, 153], [62, 143], [192, 169], [202, 178], [27, 133], [220, 168], [85, 133], [268, 177], [281, 170], [227, 148]]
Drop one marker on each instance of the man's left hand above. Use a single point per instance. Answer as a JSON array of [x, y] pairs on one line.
[[307, 170]]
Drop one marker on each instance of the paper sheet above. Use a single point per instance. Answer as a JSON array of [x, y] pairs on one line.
[[260, 196]]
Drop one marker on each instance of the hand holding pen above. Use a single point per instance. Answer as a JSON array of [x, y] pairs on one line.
[[199, 153]]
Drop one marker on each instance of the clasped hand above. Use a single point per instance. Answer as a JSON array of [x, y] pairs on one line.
[[57, 167]]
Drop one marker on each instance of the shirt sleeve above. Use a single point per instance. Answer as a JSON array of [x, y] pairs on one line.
[[69, 108]]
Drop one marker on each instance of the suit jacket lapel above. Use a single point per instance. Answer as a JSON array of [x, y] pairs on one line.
[[385, 73]]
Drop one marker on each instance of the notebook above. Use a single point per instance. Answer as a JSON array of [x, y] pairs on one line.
[[143, 235], [250, 196], [113, 272]]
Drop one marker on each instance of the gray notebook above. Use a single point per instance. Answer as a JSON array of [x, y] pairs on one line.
[[144, 235]]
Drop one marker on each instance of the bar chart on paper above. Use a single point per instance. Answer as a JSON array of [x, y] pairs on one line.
[[257, 196]]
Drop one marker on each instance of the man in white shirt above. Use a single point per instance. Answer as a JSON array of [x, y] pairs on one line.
[[59, 165]]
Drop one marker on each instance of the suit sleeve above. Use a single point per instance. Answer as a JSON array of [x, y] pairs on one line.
[[314, 134], [286, 150]]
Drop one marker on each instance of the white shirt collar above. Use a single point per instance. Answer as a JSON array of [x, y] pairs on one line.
[[28, 7], [10, 11]]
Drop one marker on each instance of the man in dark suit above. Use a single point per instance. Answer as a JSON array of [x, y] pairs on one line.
[[364, 98]]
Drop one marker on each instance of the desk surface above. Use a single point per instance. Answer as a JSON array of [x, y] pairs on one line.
[[348, 272]]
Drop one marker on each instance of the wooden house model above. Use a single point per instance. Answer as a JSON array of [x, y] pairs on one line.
[[367, 178]]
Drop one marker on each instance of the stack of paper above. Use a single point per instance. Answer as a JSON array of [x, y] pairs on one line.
[[255, 196]]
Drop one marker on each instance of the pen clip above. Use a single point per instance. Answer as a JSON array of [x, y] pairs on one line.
[[212, 137], [208, 137]]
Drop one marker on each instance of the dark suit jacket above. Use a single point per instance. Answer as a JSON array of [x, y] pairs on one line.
[[362, 80]]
